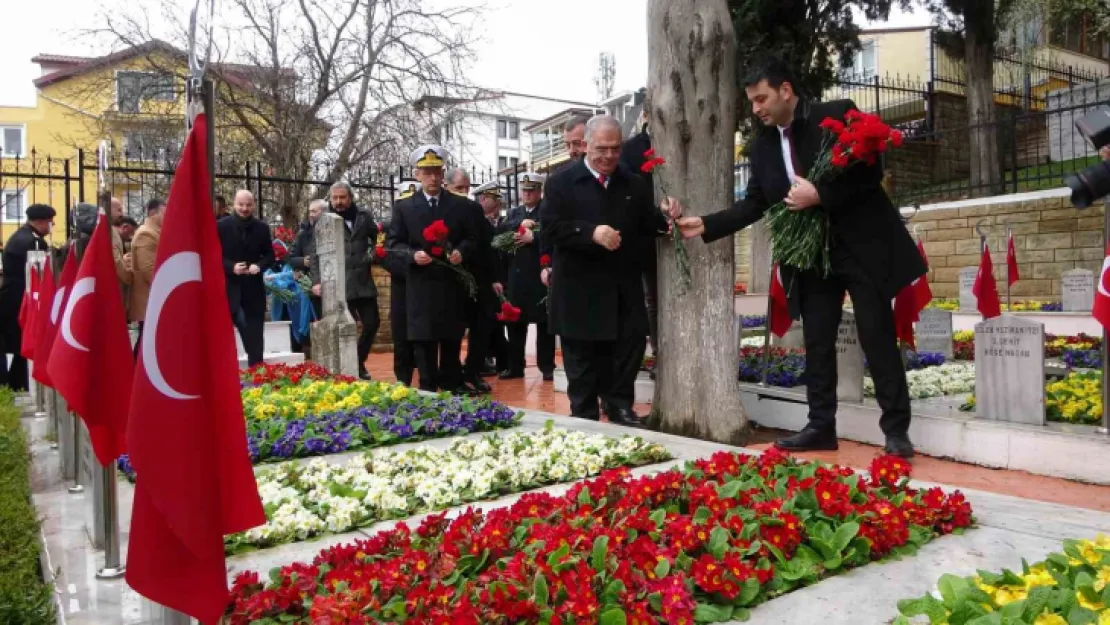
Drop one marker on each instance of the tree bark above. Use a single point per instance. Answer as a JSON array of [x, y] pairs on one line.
[[986, 174], [692, 84]]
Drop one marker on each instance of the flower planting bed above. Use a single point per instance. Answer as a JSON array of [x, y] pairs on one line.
[[1075, 399], [704, 544], [299, 412], [953, 305], [307, 499], [1071, 587]]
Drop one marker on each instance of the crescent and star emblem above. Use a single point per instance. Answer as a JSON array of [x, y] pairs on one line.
[[83, 287], [56, 307], [179, 269]]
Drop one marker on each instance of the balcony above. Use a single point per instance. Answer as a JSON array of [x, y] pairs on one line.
[[547, 151]]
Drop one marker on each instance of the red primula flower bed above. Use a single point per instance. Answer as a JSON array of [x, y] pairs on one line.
[[704, 543], [271, 374]]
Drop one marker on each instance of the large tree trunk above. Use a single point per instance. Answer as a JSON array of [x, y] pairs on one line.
[[986, 175], [692, 86]]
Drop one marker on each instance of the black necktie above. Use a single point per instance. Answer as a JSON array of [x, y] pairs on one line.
[[433, 201]]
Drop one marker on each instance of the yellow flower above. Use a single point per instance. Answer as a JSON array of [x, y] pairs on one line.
[[1104, 618], [1103, 578], [1090, 605], [1008, 594], [1050, 619], [1038, 577]]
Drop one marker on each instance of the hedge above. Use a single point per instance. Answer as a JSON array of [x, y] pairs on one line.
[[25, 599]]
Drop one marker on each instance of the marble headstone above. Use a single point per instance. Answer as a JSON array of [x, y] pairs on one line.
[[67, 438], [90, 476], [334, 336], [1077, 290], [1009, 370], [933, 332], [968, 301], [793, 339], [849, 359]]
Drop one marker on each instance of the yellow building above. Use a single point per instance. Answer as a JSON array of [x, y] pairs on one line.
[[896, 66], [133, 98]]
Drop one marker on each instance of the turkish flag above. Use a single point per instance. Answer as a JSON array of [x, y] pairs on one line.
[[909, 303], [985, 290], [41, 319], [52, 314], [28, 311], [187, 438], [1101, 309], [1012, 274], [92, 365], [780, 320]]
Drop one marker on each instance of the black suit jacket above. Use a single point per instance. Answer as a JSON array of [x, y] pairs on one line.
[[250, 244], [22, 241], [435, 295], [598, 295], [862, 217], [524, 287]]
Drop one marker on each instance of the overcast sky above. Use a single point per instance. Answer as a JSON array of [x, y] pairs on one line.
[[540, 48]]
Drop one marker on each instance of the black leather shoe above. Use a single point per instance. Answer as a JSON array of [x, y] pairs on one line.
[[625, 417], [510, 375], [899, 445], [479, 385], [548, 376], [809, 439], [364, 375]]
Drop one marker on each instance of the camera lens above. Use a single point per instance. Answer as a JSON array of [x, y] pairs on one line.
[[1090, 184]]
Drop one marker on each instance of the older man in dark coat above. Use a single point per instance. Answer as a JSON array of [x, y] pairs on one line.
[[872, 254], [28, 237], [598, 217], [435, 292]]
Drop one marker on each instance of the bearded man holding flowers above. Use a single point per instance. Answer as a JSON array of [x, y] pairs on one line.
[[816, 176]]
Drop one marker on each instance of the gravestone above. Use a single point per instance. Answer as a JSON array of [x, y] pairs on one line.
[[67, 438], [89, 473], [1009, 370], [1077, 290], [849, 359], [933, 332], [793, 339], [968, 301], [334, 336]]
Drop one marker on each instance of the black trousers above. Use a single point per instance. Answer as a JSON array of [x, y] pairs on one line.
[[16, 376], [438, 363], [365, 310], [651, 298], [479, 325], [821, 303], [138, 342], [545, 347], [604, 370], [499, 345], [248, 313]]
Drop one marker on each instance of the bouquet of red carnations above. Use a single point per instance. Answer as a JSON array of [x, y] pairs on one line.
[[436, 234], [801, 238], [682, 257], [508, 312]]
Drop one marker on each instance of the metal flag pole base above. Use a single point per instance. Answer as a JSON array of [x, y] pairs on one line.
[[111, 572]]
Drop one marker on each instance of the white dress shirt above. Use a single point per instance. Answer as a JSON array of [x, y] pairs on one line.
[[786, 158]]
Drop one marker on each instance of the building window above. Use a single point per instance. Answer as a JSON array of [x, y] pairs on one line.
[[505, 162], [12, 141], [14, 202], [150, 146], [508, 130], [864, 64], [134, 88]]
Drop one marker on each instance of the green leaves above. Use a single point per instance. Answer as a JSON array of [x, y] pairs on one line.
[[599, 553], [613, 616], [710, 613], [718, 542], [924, 606], [539, 590]]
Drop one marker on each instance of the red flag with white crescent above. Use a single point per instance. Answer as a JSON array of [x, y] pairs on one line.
[[780, 320], [985, 290], [1012, 273], [54, 315], [91, 366], [1101, 309], [911, 300], [186, 438], [28, 312], [41, 320]]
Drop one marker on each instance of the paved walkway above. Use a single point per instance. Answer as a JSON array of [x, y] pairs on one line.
[[532, 393]]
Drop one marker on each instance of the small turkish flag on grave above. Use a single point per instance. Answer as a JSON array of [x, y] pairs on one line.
[[1101, 309], [985, 290], [92, 366], [52, 315], [38, 323], [1012, 274], [909, 303], [780, 310], [28, 311], [186, 437]]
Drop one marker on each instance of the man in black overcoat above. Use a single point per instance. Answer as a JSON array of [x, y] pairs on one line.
[[28, 237], [524, 289], [479, 310], [248, 252], [435, 292], [598, 216], [404, 357], [872, 254]]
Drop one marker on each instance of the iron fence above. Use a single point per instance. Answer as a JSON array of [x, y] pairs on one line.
[[135, 179]]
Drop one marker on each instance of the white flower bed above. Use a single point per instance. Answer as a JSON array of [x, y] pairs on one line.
[[752, 341], [947, 379], [305, 499]]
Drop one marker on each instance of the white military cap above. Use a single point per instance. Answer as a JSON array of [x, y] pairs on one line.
[[488, 188], [530, 180], [429, 155]]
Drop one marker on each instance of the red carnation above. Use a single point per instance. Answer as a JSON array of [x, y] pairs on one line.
[[650, 153], [437, 231], [508, 312], [649, 166], [379, 251], [545, 260], [521, 230], [437, 250]]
